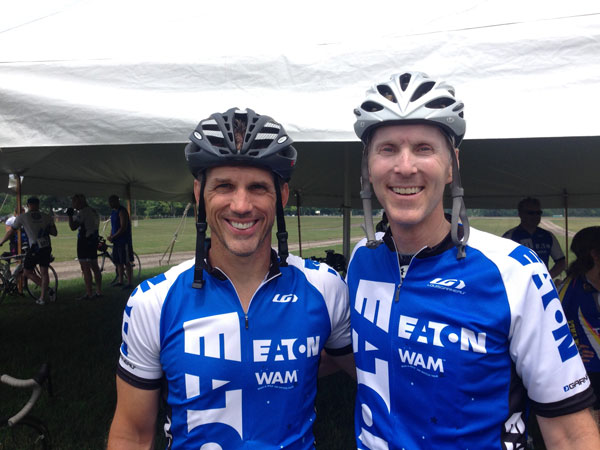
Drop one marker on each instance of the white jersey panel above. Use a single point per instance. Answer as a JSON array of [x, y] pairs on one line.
[[140, 351], [335, 294], [544, 356]]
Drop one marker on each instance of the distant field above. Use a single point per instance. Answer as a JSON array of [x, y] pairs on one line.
[[155, 235]]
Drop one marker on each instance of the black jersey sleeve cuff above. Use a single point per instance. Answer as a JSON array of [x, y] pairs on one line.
[[570, 405], [339, 351], [135, 381]]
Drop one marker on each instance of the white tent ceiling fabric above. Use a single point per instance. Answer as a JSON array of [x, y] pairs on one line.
[[104, 77]]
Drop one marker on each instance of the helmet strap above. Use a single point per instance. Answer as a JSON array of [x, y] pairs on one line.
[[201, 227], [366, 194], [282, 235], [458, 210]]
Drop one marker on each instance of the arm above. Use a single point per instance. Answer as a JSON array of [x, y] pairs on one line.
[[570, 432], [52, 229], [330, 364], [8, 235], [558, 268], [133, 426], [73, 225]]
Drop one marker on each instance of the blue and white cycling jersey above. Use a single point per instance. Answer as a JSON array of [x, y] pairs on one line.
[[447, 357], [236, 380]]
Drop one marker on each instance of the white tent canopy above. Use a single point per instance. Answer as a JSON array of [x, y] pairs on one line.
[[105, 93]]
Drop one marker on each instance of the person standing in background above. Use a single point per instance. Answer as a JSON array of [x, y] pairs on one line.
[[580, 296], [121, 238], [541, 241], [86, 221]]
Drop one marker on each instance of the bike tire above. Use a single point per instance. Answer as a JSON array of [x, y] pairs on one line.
[[136, 270], [29, 434], [4, 287], [34, 290]]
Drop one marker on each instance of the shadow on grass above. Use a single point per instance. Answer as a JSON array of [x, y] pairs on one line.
[[81, 339]]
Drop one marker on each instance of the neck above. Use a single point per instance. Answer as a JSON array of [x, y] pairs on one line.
[[529, 228], [409, 239], [245, 272], [593, 276]]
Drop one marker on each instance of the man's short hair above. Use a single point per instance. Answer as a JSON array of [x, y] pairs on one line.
[[113, 198], [528, 201], [33, 201]]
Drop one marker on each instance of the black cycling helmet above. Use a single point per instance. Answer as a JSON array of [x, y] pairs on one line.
[[407, 98], [239, 138], [265, 144]]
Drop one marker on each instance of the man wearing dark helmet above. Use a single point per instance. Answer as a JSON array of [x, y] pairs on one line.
[[233, 338], [457, 333]]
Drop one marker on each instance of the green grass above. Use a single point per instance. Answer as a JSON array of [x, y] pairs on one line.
[[81, 340], [155, 235]]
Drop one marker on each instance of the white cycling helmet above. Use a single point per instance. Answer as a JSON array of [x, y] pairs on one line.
[[413, 97]]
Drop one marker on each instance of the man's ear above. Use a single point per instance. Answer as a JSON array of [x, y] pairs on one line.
[[285, 194], [456, 151], [196, 190]]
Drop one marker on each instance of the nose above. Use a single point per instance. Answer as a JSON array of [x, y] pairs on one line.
[[404, 163], [241, 202]]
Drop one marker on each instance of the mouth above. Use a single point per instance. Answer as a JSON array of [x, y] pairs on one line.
[[407, 190], [242, 225]]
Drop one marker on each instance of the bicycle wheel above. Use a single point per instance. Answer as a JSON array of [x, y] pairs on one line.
[[4, 287], [34, 290], [29, 434], [136, 270]]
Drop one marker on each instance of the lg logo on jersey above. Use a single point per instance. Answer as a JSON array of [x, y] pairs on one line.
[[451, 284], [288, 298]]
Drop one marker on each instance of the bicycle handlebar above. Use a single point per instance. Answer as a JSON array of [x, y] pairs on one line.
[[35, 383]]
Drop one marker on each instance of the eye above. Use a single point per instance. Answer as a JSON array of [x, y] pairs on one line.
[[424, 148], [259, 188], [222, 187], [387, 150]]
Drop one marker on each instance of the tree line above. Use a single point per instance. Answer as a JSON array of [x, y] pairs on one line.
[[142, 209]]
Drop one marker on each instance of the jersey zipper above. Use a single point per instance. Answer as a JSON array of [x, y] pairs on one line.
[[400, 282], [246, 321]]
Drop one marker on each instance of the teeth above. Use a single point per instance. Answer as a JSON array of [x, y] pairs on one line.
[[406, 191], [241, 226]]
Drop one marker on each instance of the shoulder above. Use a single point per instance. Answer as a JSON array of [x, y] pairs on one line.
[[508, 234], [316, 273], [509, 257], [153, 291]]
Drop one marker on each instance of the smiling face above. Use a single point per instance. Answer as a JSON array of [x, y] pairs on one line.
[[409, 166], [240, 210]]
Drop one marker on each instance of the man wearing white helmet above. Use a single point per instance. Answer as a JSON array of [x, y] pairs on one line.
[[233, 338], [456, 332]]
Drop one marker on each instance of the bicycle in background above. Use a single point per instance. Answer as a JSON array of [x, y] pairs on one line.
[[333, 260], [23, 431], [105, 260], [9, 279]]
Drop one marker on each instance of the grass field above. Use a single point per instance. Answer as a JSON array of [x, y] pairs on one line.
[[155, 235], [81, 341]]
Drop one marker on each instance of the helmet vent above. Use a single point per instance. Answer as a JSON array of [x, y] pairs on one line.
[[386, 92], [458, 107], [440, 103], [422, 90], [404, 80], [253, 153], [371, 106]]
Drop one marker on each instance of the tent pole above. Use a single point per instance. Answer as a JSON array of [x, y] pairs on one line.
[[21, 280], [298, 203], [18, 213], [347, 206], [129, 200], [566, 201]]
